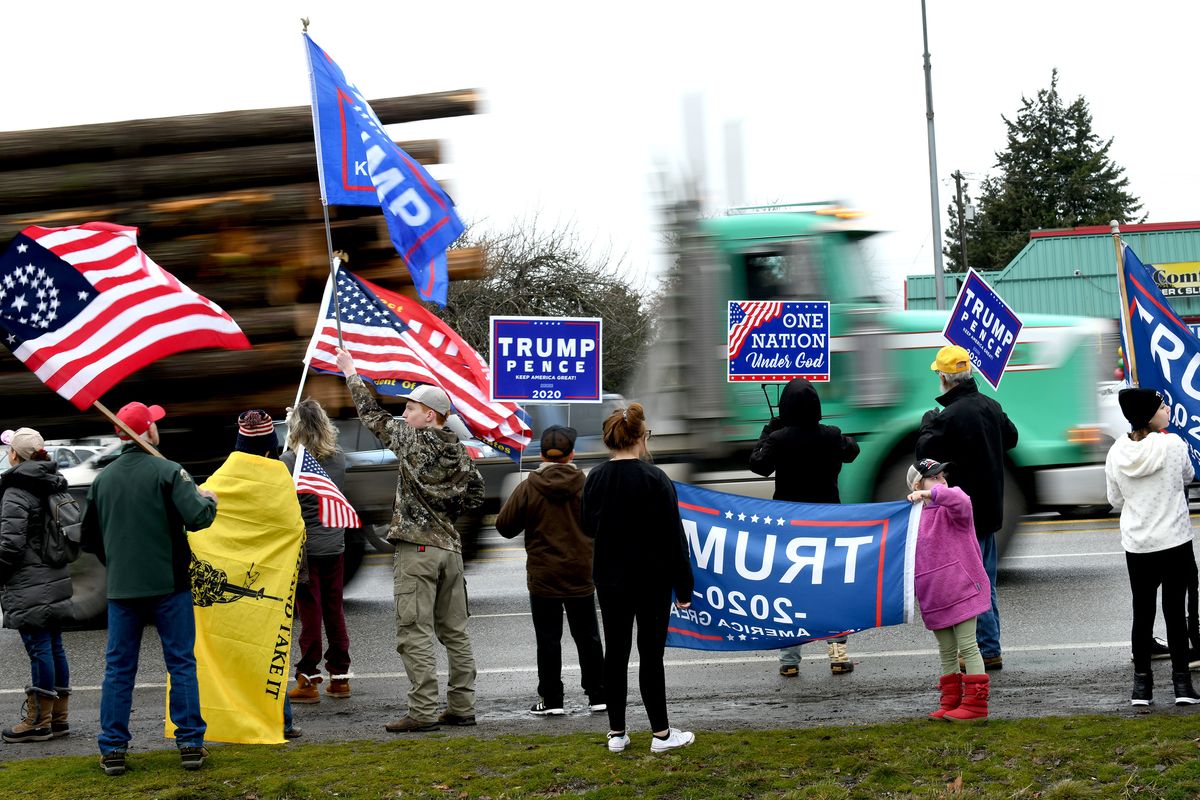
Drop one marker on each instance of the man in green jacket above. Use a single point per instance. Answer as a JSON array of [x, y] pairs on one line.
[[139, 510]]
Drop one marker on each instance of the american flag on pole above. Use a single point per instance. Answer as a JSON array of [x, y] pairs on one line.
[[745, 316], [83, 307], [396, 344], [310, 478]]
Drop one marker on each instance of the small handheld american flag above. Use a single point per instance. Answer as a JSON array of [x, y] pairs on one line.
[[310, 478]]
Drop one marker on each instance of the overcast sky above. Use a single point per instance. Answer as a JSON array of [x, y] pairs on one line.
[[584, 101]]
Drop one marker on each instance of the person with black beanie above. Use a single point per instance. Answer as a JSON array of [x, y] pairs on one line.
[[1147, 472]]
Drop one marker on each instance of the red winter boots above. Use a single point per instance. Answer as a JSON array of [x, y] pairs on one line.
[[974, 706], [952, 692]]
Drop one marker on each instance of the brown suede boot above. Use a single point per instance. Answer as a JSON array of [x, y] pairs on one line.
[[339, 686], [974, 705], [35, 726], [58, 714], [952, 692], [306, 689]]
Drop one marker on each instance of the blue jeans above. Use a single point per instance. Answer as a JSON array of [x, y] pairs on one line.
[[173, 617], [987, 631], [47, 659]]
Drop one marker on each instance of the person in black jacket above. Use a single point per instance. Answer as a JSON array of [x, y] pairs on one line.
[[36, 596], [972, 432], [630, 508], [806, 458]]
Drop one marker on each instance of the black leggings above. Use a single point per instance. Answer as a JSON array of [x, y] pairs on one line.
[[652, 611], [1174, 569]]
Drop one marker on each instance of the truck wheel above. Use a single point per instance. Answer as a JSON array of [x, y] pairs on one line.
[[355, 548], [890, 486], [89, 598], [469, 528], [1015, 507]]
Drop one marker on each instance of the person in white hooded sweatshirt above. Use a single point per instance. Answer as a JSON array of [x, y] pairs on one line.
[[1147, 473]]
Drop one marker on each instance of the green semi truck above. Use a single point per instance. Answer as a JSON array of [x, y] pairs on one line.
[[881, 383]]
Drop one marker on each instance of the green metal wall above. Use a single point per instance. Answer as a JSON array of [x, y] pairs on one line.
[[1074, 275]]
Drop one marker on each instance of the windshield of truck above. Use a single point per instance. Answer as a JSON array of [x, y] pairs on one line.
[[787, 272]]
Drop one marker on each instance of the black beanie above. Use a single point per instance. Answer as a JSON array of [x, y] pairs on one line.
[[1138, 406]]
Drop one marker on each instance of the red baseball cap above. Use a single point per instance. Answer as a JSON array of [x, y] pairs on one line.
[[139, 417]]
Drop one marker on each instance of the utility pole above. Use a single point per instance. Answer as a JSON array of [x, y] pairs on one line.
[[939, 278], [962, 220]]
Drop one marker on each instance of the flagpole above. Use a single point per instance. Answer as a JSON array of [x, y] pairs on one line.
[[330, 288], [1126, 322], [334, 262]]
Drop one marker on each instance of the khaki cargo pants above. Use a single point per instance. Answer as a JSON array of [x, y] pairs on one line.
[[431, 601]]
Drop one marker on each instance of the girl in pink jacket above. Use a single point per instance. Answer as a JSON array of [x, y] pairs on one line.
[[952, 588]]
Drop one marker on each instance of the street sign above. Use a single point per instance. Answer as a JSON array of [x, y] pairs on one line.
[[983, 324], [546, 359], [776, 341]]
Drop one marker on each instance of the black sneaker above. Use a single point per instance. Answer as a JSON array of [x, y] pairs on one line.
[[543, 709], [1159, 649], [192, 758], [1143, 689], [1185, 695], [113, 763]]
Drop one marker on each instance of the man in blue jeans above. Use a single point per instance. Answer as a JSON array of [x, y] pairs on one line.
[[139, 510], [972, 432]]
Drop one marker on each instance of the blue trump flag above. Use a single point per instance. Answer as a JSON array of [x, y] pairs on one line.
[[770, 574], [360, 165], [1160, 349]]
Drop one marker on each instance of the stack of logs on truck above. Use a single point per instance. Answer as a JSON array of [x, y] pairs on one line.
[[230, 204]]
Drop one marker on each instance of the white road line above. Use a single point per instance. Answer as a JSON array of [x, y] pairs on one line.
[[1067, 555], [757, 658]]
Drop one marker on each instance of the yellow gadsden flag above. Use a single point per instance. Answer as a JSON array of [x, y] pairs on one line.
[[243, 588]]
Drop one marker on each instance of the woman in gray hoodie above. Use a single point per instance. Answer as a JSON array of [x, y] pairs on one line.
[[1147, 472]]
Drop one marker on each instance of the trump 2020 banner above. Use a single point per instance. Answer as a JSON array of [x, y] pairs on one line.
[[770, 574], [1160, 350], [772, 340]]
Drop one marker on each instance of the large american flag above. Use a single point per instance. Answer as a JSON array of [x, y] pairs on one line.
[[745, 316], [311, 478], [83, 307], [396, 343]]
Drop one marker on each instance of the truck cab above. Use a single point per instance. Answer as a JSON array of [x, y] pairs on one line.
[[880, 382]]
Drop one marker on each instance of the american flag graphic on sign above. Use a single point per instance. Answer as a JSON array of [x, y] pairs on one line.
[[745, 316], [83, 307], [310, 478], [394, 340]]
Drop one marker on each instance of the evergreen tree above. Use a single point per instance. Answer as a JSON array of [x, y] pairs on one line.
[[1053, 173]]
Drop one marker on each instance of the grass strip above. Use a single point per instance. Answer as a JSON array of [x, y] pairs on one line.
[[1053, 758]]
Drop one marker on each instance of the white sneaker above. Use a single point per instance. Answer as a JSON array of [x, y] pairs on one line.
[[617, 742], [596, 708], [675, 738]]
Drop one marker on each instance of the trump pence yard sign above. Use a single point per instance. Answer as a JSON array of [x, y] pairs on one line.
[[983, 325], [773, 340], [548, 359]]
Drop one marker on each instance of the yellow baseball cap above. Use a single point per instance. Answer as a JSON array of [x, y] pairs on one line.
[[951, 359]]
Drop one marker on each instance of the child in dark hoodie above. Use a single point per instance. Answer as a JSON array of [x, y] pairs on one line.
[[559, 565], [806, 458]]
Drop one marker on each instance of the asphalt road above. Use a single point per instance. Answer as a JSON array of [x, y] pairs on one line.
[[1064, 600]]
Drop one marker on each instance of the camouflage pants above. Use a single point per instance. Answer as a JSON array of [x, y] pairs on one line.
[[431, 602]]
